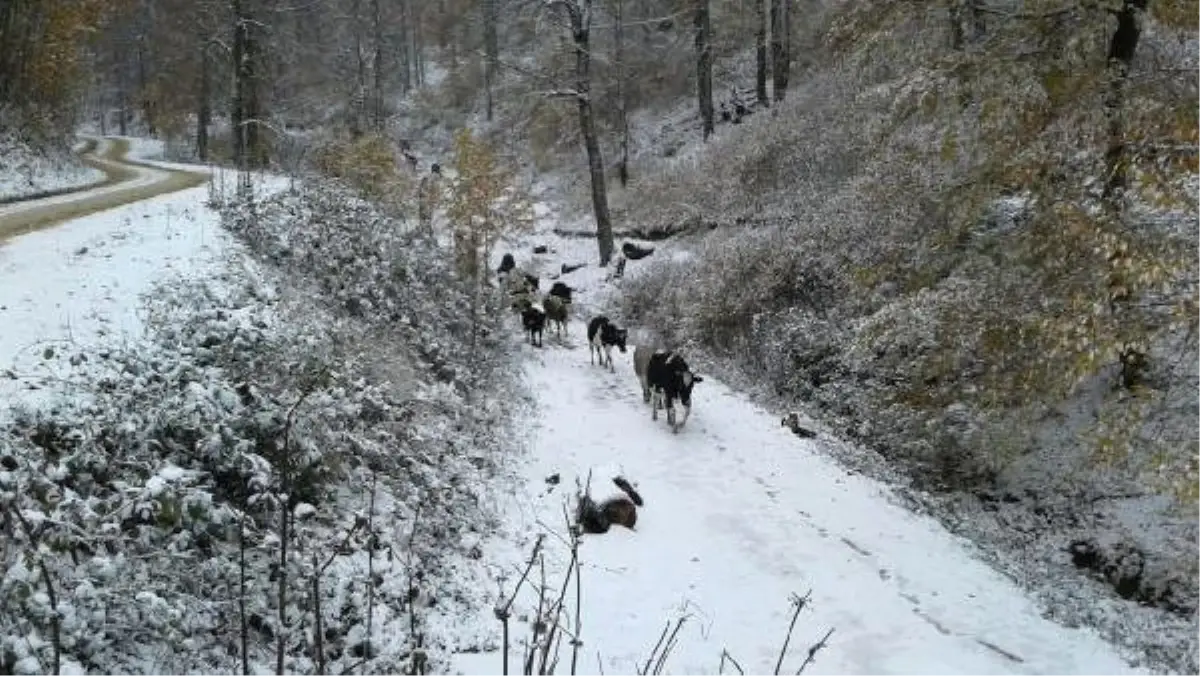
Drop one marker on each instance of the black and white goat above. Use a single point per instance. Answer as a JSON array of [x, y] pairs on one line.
[[533, 318], [665, 377], [556, 312], [602, 336], [562, 291]]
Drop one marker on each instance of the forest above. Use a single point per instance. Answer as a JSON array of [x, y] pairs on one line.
[[959, 235]]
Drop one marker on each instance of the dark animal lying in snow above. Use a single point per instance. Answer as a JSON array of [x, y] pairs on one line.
[[540, 249], [507, 263], [556, 312], [665, 377], [792, 422], [598, 518], [533, 318], [634, 252], [602, 336], [562, 291]]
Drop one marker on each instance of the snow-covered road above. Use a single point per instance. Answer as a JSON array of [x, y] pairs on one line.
[[741, 514], [129, 179]]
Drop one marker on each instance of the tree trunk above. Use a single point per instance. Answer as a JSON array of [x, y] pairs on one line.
[[144, 100], [704, 67], [203, 107], [377, 68], [956, 26], [405, 46], [581, 23], [237, 108], [781, 58], [250, 150], [976, 19], [281, 601], [760, 53], [360, 91], [622, 99], [491, 47], [123, 113], [418, 59], [1121, 50], [244, 636]]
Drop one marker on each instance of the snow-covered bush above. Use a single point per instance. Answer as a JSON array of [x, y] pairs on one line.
[[288, 474], [374, 270]]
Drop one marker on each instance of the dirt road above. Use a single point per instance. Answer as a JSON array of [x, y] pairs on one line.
[[127, 181]]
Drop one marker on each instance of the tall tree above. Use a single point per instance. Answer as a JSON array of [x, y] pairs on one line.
[[760, 52], [377, 111], [704, 65], [491, 48], [245, 109], [781, 58], [579, 14], [1121, 49], [622, 96]]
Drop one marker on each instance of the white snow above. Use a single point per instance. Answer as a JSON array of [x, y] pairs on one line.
[[24, 172], [144, 176], [740, 514], [80, 284]]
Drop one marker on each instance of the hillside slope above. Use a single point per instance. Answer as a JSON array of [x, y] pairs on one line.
[[930, 249]]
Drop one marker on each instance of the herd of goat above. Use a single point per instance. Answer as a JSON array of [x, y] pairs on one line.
[[664, 375]]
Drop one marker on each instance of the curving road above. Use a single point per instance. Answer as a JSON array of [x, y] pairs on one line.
[[126, 181]]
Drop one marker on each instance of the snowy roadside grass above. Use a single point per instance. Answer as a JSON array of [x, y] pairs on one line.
[[130, 506], [260, 469], [371, 269], [26, 170], [412, 329]]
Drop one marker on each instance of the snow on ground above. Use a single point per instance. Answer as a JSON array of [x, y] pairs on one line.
[[25, 172], [80, 284], [740, 514], [144, 176]]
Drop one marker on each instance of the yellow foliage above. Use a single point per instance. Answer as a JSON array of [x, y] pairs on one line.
[[1178, 14], [55, 64], [485, 203], [368, 164]]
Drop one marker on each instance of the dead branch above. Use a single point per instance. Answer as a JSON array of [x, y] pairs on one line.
[[812, 651], [799, 602]]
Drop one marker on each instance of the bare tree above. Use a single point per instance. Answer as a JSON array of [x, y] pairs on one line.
[[579, 13], [1121, 49], [704, 65], [491, 47], [245, 110], [760, 52], [622, 92], [377, 67], [781, 58]]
